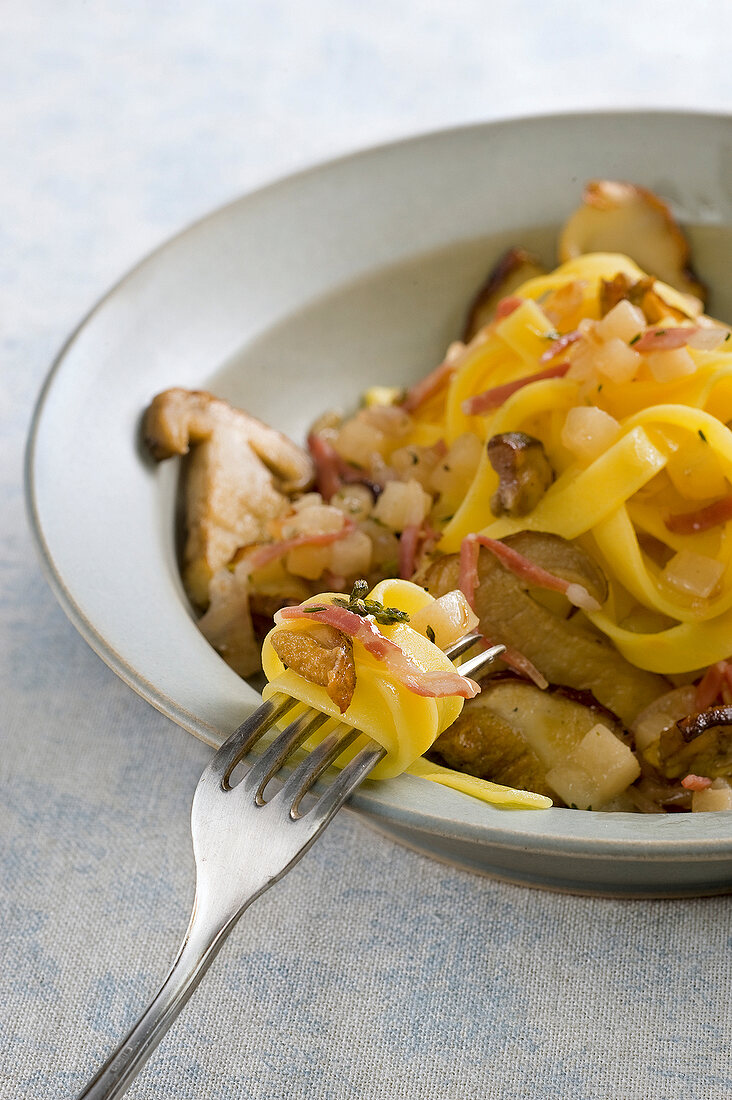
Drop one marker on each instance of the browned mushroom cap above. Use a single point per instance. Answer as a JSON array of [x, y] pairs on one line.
[[623, 217], [323, 656], [700, 743], [513, 732], [227, 624], [523, 470], [645, 294], [566, 651], [235, 478], [512, 269]]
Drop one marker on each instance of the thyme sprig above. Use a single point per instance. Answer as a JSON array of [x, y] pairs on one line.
[[360, 605]]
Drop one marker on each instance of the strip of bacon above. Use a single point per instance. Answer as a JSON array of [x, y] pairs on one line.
[[506, 306], [494, 398], [263, 555], [703, 519], [435, 684], [408, 544], [468, 582], [429, 386], [534, 574], [664, 339], [696, 782], [559, 345], [327, 462], [714, 684]]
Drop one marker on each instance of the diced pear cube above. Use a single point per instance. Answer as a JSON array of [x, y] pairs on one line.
[[713, 798], [599, 769]]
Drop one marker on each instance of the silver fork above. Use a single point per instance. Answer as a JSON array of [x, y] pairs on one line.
[[243, 842]]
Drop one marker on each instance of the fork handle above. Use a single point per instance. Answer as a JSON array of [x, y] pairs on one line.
[[200, 947]]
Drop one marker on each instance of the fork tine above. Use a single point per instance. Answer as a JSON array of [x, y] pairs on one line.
[[322, 756], [462, 644], [348, 779], [238, 744], [269, 763], [480, 660]]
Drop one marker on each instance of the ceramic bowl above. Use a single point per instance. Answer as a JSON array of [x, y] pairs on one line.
[[294, 299]]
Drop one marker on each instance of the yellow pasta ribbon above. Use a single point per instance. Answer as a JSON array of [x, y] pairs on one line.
[[672, 454], [383, 708]]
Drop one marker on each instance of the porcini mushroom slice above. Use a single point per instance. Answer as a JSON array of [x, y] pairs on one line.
[[563, 558], [227, 624], [623, 217], [700, 744], [514, 733], [524, 472], [322, 656], [512, 269], [235, 478], [645, 294], [566, 651]]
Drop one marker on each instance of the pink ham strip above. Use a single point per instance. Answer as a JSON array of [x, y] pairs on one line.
[[408, 544], [713, 683], [263, 555], [696, 782], [327, 465], [534, 575], [664, 339], [690, 523], [506, 306], [493, 399], [436, 684], [468, 582], [429, 386], [559, 345]]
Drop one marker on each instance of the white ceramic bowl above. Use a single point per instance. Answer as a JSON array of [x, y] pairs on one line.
[[294, 299]]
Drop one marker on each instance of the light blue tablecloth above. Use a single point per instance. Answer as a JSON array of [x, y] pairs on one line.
[[370, 971]]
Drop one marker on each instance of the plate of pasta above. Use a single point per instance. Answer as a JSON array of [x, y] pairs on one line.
[[411, 395]]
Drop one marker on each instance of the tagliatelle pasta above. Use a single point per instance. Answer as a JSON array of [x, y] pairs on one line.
[[625, 494], [382, 707], [568, 469]]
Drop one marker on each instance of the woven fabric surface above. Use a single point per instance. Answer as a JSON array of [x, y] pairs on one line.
[[370, 972]]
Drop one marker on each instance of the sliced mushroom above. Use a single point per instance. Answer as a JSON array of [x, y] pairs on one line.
[[566, 651], [563, 558], [700, 744], [235, 479], [643, 293], [512, 269], [523, 470], [514, 733], [227, 624], [323, 656], [623, 217]]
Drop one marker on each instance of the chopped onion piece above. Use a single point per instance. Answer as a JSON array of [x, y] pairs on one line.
[[589, 431], [622, 322], [617, 361], [694, 574], [402, 504], [666, 366], [448, 618]]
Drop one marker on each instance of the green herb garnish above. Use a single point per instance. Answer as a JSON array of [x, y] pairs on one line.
[[635, 339], [430, 634], [359, 605], [701, 435]]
